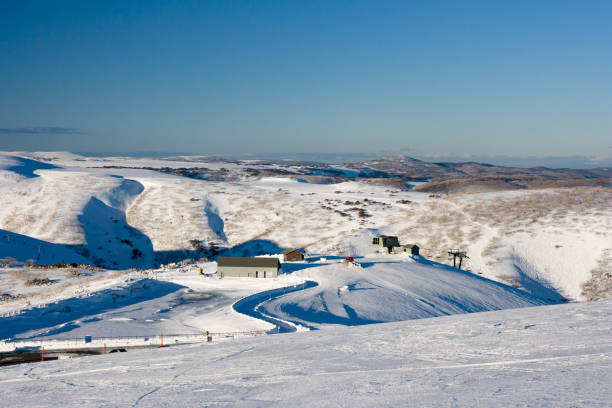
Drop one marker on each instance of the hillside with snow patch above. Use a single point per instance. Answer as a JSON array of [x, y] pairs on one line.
[[551, 243]]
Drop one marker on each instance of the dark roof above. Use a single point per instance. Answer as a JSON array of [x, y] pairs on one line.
[[290, 250], [256, 262]]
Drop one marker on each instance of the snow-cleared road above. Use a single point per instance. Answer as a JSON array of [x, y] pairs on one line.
[[254, 306], [549, 356]]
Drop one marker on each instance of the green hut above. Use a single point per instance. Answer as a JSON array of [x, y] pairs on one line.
[[412, 249], [386, 241]]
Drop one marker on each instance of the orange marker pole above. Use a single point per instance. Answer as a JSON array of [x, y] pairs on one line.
[[42, 354], [162, 340], [104, 348]]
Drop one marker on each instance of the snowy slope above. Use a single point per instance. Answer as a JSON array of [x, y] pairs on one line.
[[126, 303], [548, 243], [385, 289], [495, 359], [59, 208], [389, 289]]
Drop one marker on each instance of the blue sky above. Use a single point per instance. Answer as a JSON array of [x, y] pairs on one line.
[[424, 78]]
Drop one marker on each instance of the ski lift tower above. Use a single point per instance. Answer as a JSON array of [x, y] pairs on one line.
[[455, 253]]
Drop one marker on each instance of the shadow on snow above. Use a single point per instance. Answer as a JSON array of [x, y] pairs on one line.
[[253, 248], [533, 287], [111, 241], [27, 167], [68, 311]]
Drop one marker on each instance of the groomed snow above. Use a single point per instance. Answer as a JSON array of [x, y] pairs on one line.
[[388, 288], [550, 356], [180, 301]]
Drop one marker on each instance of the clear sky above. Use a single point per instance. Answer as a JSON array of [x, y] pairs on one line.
[[513, 78]]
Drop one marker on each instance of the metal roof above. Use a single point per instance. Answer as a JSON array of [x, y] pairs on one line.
[[254, 262]]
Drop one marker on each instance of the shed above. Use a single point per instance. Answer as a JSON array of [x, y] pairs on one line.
[[292, 255], [241, 267], [386, 241], [412, 249]]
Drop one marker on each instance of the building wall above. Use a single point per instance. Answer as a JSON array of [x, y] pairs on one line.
[[414, 250], [247, 271], [386, 241], [293, 256]]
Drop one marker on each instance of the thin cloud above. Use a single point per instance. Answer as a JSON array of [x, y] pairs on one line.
[[49, 130], [600, 159]]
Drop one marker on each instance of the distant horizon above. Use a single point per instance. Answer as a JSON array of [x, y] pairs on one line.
[[572, 162]]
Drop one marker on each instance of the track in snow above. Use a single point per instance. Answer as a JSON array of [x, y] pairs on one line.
[[251, 306]]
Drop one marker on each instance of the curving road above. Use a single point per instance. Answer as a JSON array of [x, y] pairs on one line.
[[252, 306]]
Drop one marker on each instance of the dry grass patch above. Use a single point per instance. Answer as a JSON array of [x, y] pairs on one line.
[[599, 287]]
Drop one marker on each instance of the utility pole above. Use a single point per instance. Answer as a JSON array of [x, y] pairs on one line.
[[457, 254]]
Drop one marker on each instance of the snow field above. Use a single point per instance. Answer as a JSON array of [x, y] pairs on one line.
[[391, 288], [545, 242], [129, 303], [180, 301], [539, 357]]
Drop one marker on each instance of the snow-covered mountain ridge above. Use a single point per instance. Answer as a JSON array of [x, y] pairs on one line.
[[553, 243], [119, 218]]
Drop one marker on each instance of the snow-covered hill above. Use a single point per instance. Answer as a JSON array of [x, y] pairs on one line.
[[180, 301], [550, 243], [389, 289], [537, 246], [550, 356]]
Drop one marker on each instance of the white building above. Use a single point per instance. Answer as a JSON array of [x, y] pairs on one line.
[[248, 267]]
